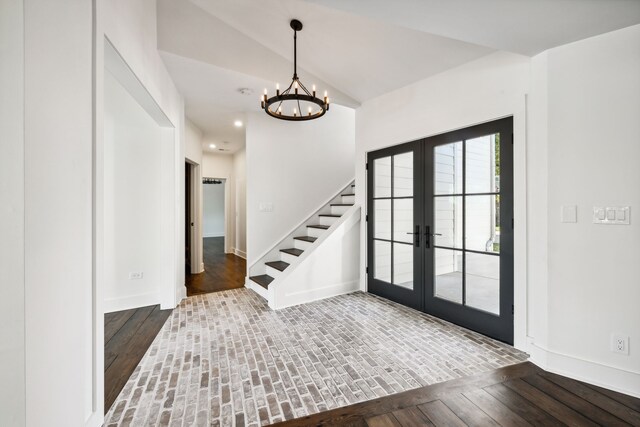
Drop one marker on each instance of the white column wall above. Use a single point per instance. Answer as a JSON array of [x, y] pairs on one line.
[[61, 387], [592, 88], [12, 321]]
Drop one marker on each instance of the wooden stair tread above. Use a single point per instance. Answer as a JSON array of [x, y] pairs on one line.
[[341, 204], [292, 251], [330, 216], [278, 265], [322, 227], [306, 238], [349, 194], [262, 280]]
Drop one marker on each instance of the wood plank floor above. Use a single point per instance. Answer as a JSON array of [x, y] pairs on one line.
[[517, 395], [221, 271], [127, 336]]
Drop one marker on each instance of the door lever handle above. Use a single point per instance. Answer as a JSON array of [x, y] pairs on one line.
[[428, 234], [417, 234]]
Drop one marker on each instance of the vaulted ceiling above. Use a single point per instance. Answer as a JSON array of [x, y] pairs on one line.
[[355, 49]]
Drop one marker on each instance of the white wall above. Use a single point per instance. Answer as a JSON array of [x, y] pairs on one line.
[[192, 142], [217, 166], [12, 322], [62, 387], [133, 192], [213, 210], [483, 90], [592, 92], [296, 167]]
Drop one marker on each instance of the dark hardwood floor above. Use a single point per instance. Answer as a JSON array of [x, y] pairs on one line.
[[518, 395], [221, 271], [127, 336]]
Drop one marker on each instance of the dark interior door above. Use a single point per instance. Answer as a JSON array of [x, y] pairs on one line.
[[461, 201], [187, 217]]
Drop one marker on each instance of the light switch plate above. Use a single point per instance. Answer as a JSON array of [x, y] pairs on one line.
[[569, 213], [612, 215]]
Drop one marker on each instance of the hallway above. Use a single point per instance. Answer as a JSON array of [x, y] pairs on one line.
[[221, 271]]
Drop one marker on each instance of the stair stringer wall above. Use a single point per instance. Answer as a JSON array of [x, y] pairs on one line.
[[257, 267], [331, 268]]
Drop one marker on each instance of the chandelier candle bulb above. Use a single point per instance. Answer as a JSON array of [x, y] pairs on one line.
[[277, 89], [314, 91]]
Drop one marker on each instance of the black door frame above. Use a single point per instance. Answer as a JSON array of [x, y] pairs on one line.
[[421, 298]]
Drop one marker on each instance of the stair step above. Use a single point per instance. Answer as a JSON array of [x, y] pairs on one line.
[[322, 227], [348, 194], [292, 251], [330, 215], [306, 238], [341, 204], [262, 280], [278, 265]]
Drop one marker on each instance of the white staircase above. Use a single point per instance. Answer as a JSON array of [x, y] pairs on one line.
[[318, 259]]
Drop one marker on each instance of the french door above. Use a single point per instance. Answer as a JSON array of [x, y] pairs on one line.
[[440, 226]]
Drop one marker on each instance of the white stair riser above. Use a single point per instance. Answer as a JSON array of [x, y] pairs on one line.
[[339, 210], [288, 258], [328, 220], [273, 272], [258, 289], [315, 232], [348, 199], [300, 244]]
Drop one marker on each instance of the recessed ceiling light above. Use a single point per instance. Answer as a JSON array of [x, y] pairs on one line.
[[212, 145], [237, 123]]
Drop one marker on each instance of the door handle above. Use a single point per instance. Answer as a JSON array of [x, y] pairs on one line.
[[417, 234], [428, 235]]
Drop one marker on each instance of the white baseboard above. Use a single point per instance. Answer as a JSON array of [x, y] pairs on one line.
[[609, 377], [240, 253], [306, 296], [131, 301], [213, 234]]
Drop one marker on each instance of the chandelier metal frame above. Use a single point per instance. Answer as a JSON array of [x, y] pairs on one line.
[[300, 92]]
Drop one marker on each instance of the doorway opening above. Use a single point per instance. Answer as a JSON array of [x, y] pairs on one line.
[[222, 271], [440, 230]]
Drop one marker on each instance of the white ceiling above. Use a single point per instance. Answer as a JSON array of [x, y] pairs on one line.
[[527, 27], [355, 49]]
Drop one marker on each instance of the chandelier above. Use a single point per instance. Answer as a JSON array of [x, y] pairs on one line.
[[295, 103]]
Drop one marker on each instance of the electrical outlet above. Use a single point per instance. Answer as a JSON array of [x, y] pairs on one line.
[[620, 344], [135, 275]]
